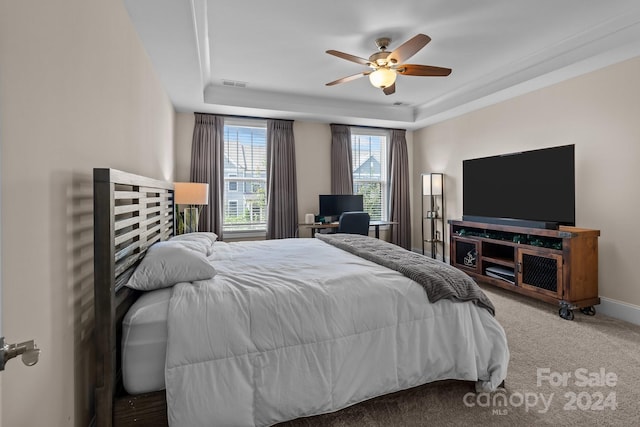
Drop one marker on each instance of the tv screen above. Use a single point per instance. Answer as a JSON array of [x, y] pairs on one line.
[[537, 185], [335, 204]]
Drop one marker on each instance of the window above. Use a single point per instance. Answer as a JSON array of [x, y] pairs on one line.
[[232, 209], [245, 168], [369, 150], [232, 185]]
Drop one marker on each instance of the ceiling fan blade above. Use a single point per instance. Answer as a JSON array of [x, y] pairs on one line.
[[408, 49], [422, 70], [348, 57], [390, 90], [348, 78]]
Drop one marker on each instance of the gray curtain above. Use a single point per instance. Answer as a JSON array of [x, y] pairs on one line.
[[282, 193], [341, 164], [207, 165], [399, 207]]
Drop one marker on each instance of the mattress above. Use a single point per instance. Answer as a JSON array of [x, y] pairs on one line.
[[144, 342]]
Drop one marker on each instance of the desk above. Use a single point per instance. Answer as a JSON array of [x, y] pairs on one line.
[[375, 224]]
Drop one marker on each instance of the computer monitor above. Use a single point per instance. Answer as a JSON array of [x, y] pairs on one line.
[[334, 204]]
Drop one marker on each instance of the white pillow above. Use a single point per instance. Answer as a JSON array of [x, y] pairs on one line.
[[168, 263], [206, 239], [202, 246], [198, 235]]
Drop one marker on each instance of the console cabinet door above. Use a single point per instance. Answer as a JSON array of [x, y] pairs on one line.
[[465, 254], [540, 271]]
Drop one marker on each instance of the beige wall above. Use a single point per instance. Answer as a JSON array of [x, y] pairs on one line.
[[599, 113], [313, 166], [77, 91], [183, 137], [313, 161]]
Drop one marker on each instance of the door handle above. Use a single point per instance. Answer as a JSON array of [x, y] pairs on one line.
[[28, 350]]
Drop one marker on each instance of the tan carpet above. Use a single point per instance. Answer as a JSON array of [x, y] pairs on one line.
[[538, 339]]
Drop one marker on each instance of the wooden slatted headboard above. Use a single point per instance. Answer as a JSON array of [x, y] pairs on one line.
[[130, 213]]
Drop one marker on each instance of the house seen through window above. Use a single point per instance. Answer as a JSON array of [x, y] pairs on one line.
[[369, 150], [245, 175]]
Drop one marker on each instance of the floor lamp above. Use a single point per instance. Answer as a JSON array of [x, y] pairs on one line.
[[433, 190], [193, 195]]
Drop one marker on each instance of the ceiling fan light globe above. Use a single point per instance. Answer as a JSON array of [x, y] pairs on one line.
[[382, 78]]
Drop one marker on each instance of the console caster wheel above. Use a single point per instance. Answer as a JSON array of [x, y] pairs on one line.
[[566, 313], [589, 311]]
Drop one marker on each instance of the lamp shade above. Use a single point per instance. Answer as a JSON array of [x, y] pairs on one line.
[[432, 181], [191, 193], [382, 77]]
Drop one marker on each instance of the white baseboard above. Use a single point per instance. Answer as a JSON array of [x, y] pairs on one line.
[[619, 310]]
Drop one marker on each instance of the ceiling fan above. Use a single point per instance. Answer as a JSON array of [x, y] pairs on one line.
[[386, 66]]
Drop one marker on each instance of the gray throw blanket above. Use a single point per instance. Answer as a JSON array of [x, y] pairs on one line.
[[438, 279]]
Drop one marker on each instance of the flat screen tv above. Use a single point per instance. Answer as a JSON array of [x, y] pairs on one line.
[[531, 188], [335, 204]]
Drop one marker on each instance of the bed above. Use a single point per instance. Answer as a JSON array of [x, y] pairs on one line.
[[283, 329]]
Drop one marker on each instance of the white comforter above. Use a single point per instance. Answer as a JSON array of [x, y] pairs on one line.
[[291, 328]]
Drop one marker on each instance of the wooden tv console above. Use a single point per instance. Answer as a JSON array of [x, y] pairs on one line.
[[556, 266]]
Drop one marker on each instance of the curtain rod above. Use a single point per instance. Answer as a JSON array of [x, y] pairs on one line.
[[244, 117], [367, 127], [290, 120]]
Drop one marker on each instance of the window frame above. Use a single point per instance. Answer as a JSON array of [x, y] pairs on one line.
[[384, 166], [241, 183]]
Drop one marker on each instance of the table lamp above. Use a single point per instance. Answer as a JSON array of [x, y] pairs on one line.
[[194, 195]]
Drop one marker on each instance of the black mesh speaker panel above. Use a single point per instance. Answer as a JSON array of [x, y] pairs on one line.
[[540, 272]]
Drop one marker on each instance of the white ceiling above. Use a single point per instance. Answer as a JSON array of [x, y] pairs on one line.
[[496, 48]]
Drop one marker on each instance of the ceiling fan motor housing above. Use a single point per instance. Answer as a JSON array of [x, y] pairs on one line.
[[379, 58]]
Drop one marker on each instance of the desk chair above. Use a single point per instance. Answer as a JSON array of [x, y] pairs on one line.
[[354, 223]]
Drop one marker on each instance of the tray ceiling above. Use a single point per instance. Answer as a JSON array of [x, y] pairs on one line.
[[268, 59]]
